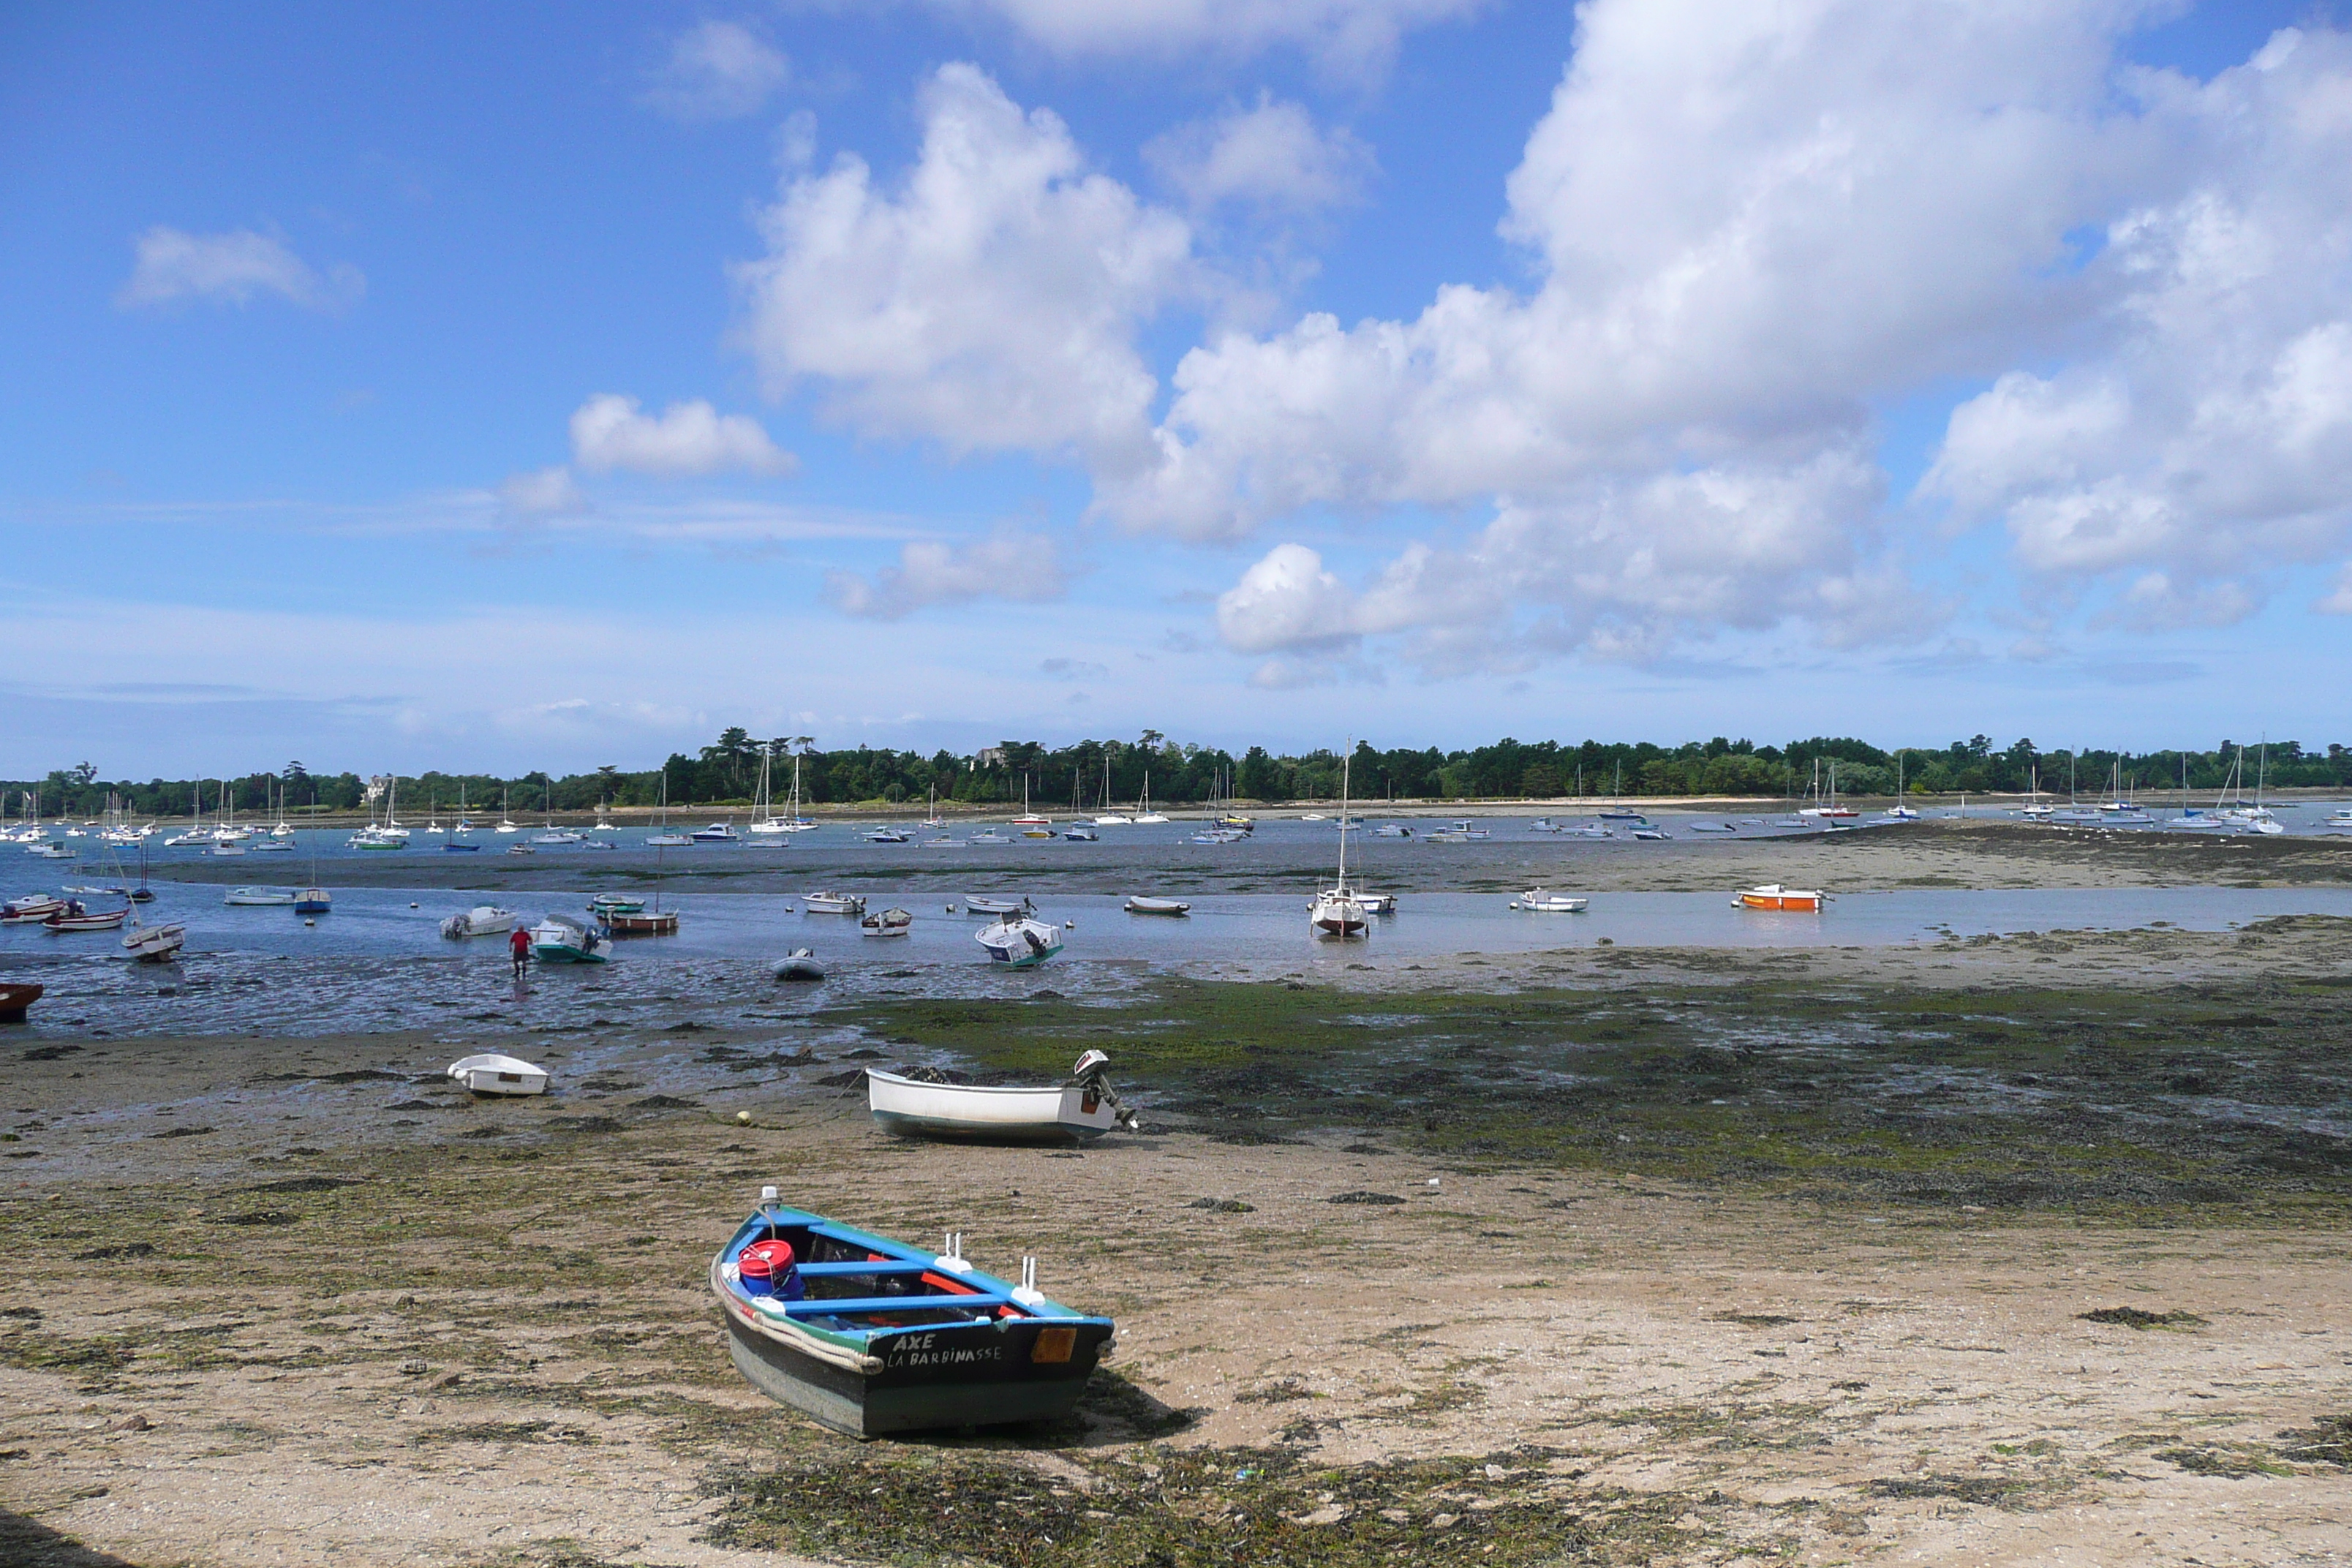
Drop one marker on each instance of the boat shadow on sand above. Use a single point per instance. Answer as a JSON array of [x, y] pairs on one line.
[[37, 1546]]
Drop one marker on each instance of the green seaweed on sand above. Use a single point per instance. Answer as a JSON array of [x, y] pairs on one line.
[[1159, 1507], [2150, 1105]]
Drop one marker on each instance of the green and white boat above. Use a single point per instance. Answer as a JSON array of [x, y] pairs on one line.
[[559, 939]]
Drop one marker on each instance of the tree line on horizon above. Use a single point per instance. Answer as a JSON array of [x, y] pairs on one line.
[[725, 773]]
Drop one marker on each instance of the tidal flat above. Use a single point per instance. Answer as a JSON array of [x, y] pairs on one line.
[[1990, 1250]]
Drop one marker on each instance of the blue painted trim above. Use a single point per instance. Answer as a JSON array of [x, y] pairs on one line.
[[858, 1306]]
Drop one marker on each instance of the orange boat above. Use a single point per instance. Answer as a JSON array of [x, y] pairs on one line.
[[1772, 896]]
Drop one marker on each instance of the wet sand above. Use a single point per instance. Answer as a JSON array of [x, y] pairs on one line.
[[258, 1310]]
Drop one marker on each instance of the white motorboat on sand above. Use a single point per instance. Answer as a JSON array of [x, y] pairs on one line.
[[924, 1103]]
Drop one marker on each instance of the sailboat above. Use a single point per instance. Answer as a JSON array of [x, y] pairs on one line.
[[1335, 912], [1900, 812], [661, 837], [461, 836], [143, 943], [1144, 816], [506, 818], [195, 833], [1825, 809], [1029, 823], [765, 823], [392, 828], [1111, 818], [281, 837], [549, 833], [932, 817]]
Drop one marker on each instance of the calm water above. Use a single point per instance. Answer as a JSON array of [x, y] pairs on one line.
[[378, 963]]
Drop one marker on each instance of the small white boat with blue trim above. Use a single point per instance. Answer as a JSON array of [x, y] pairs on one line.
[[870, 1336], [1536, 902]]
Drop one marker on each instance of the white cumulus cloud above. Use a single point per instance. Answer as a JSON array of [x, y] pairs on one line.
[[685, 438], [171, 264], [718, 70], [989, 302], [2206, 439], [1270, 155], [1026, 568]]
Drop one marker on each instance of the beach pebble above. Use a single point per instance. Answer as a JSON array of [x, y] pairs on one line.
[[743, 1118], [133, 1423], [413, 1368], [448, 1380]]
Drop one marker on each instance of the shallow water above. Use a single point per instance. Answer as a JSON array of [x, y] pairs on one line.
[[377, 963]]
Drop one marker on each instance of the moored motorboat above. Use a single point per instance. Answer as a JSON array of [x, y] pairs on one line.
[[833, 903], [482, 920], [559, 939], [30, 909], [870, 1336], [925, 1104], [492, 1074], [1375, 903], [1773, 896], [270, 897], [1139, 904], [885, 834], [1536, 902], [886, 923], [717, 832], [1018, 941]]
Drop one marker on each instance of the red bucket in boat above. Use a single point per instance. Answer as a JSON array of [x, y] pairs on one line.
[[767, 1269]]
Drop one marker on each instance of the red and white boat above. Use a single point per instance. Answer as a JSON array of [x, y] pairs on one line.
[[75, 917], [1772, 896], [32, 910]]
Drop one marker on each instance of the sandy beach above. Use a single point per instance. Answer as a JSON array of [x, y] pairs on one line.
[[273, 1300]]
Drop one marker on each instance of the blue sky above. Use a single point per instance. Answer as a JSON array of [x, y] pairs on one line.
[[547, 387]]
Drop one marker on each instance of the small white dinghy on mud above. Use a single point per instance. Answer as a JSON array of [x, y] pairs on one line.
[[491, 1073], [923, 1104]]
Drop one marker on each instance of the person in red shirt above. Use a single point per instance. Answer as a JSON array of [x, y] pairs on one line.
[[518, 948]]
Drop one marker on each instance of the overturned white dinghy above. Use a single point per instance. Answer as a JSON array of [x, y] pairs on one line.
[[917, 1105], [491, 1073]]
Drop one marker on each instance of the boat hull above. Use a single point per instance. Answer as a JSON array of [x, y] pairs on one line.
[[980, 1376], [15, 1000], [1792, 903], [1063, 1113]]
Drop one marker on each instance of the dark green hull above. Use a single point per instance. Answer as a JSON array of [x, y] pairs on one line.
[[980, 1375]]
